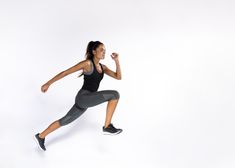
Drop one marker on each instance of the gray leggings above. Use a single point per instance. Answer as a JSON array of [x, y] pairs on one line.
[[85, 99]]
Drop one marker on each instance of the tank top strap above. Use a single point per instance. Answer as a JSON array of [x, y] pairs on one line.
[[101, 67], [95, 66], [92, 62]]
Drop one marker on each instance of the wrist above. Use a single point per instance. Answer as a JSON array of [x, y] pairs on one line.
[[116, 60], [48, 83]]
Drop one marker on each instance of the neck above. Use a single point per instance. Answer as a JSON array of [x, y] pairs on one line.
[[96, 61]]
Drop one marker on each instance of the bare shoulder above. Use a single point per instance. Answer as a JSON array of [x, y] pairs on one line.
[[79, 66], [85, 63], [88, 62]]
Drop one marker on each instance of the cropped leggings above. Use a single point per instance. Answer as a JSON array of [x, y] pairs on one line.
[[85, 99]]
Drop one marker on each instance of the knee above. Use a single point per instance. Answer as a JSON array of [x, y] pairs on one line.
[[116, 94], [65, 120], [72, 115]]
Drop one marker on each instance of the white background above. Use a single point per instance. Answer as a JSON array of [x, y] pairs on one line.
[[176, 94]]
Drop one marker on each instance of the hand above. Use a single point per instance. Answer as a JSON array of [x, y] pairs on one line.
[[114, 56], [45, 87]]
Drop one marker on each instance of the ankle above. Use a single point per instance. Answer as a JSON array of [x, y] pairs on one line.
[[40, 136], [106, 125]]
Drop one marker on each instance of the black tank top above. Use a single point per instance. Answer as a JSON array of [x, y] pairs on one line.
[[92, 81]]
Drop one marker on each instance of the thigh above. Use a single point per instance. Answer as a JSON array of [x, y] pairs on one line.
[[87, 99]]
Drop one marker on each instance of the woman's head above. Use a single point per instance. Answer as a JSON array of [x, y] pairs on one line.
[[95, 49]]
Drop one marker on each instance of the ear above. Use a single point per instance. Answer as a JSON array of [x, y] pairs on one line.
[[93, 51]]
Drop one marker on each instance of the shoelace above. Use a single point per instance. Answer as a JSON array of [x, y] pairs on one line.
[[111, 125]]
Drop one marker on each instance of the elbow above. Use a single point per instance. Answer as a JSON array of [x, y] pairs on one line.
[[119, 78]]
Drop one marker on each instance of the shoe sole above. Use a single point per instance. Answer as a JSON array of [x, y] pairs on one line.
[[36, 140], [108, 133]]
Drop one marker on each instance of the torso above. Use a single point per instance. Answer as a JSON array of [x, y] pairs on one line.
[[92, 76]]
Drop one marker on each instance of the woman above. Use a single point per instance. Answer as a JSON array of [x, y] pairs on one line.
[[88, 96]]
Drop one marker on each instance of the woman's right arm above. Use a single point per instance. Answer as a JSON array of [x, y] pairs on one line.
[[62, 74]]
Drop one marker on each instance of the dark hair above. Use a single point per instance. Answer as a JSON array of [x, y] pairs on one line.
[[92, 45]]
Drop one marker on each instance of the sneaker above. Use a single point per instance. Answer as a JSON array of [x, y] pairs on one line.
[[40, 142], [111, 130]]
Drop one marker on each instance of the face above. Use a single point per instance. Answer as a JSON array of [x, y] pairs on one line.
[[100, 52]]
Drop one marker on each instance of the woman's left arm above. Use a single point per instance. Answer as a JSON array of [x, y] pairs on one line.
[[117, 75]]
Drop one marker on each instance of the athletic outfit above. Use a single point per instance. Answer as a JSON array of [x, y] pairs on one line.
[[88, 96]]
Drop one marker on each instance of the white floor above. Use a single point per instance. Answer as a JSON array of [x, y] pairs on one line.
[[176, 104]]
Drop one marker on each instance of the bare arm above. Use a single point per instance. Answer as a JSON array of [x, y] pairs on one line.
[[117, 75], [62, 74], [118, 70]]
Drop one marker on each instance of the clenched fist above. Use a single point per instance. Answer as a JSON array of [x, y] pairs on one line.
[[45, 87], [114, 56]]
